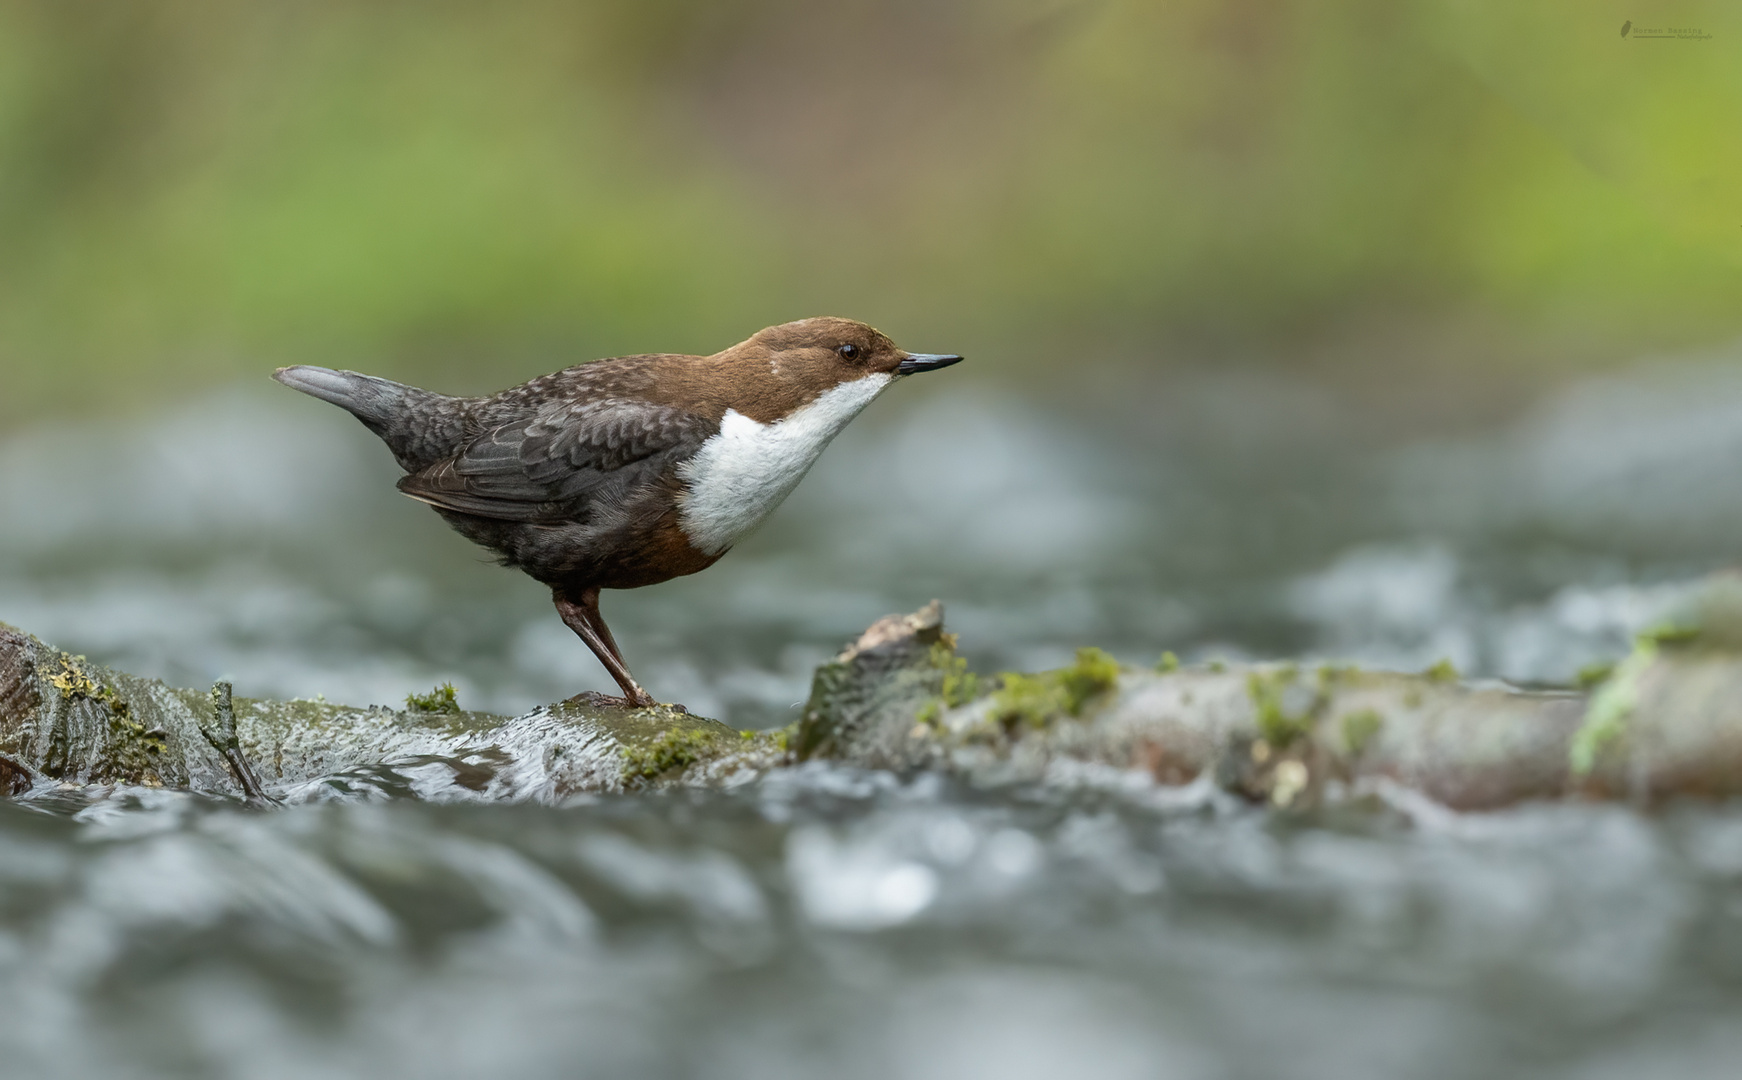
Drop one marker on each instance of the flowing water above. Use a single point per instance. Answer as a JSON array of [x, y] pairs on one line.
[[833, 922]]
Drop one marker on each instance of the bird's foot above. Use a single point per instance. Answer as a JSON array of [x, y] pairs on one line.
[[596, 700]]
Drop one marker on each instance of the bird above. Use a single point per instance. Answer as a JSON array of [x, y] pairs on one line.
[[626, 471]]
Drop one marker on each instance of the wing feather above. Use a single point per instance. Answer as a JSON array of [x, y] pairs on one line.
[[550, 466]]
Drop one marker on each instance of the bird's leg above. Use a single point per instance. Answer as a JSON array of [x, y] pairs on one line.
[[590, 601], [584, 619]]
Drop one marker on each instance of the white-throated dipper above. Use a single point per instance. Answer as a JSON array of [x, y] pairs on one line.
[[629, 471]]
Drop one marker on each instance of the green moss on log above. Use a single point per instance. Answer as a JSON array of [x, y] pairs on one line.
[[1442, 672], [1610, 707], [1359, 729], [1277, 724], [672, 750], [1034, 701], [442, 699]]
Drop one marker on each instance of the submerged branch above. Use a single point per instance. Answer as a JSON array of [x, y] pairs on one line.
[[1667, 722]]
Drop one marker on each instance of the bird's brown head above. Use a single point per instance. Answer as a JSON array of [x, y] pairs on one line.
[[840, 348], [783, 367], [833, 350]]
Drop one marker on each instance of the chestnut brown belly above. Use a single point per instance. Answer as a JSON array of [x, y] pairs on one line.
[[644, 548], [645, 558]]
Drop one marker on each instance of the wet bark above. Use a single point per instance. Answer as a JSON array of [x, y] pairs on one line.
[[1666, 723], [69, 724]]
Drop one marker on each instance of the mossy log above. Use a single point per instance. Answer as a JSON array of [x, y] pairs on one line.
[[1666, 722], [68, 723]]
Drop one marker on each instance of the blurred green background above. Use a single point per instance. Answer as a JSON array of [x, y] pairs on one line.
[[467, 194]]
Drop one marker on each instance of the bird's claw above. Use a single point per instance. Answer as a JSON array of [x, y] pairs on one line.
[[596, 700]]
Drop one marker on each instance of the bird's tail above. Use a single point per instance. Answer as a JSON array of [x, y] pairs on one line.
[[419, 426]]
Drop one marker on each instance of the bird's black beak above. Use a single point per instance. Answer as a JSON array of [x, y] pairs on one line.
[[917, 362]]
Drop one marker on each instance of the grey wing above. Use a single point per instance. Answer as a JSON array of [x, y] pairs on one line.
[[549, 467]]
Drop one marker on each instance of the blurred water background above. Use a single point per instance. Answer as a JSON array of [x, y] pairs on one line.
[[1342, 330]]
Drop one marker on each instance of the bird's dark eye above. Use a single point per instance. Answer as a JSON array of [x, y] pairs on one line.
[[850, 352]]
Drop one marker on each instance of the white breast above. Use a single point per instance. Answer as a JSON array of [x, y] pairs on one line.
[[740, 475]]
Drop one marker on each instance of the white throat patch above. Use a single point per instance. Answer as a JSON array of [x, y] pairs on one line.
[[739, 476]]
